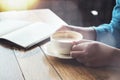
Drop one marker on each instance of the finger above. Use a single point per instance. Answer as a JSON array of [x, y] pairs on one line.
[[88, 64], [63, 28], [84, 40], [91, 64], [80, 41], [77, 47], [79, 60], [77, 54]]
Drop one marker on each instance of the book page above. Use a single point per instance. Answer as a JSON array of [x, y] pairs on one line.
[[31, 34], [7, 26]]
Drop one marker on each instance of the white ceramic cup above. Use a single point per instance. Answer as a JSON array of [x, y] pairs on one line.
[[61, 41]]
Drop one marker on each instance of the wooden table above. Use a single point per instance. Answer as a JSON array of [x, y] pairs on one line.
[[34, 64]]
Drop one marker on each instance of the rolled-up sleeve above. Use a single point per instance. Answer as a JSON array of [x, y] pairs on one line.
[[110, 33]]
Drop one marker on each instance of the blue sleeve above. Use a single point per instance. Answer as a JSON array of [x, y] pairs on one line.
[[110, 33]]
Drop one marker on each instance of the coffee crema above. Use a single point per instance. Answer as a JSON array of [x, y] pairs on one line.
[[67, 36]]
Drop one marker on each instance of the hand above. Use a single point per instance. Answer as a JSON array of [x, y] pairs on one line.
[[65, 28], [92, 53]]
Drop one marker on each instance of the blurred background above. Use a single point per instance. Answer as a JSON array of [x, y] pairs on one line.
[[74, 12]]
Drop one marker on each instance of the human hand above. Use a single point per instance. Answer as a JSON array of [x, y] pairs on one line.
[[64, 28], [92, 53]]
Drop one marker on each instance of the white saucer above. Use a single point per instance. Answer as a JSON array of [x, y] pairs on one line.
[[48, 50]]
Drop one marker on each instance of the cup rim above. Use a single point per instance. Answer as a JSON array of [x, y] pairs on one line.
[[76, 33]]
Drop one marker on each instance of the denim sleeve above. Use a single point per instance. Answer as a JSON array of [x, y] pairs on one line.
[[110, 33]]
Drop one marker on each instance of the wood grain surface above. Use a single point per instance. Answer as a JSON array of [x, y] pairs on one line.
[[33, 64]]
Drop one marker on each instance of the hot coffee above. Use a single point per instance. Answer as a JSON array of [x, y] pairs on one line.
[[62, 41]]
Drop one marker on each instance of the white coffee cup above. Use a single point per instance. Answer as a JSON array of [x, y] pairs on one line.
[[61, 41]]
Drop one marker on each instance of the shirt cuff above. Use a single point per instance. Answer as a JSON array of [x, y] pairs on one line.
[[104, 34]]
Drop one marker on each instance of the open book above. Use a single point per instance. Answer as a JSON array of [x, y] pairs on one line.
[[24, 33]]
